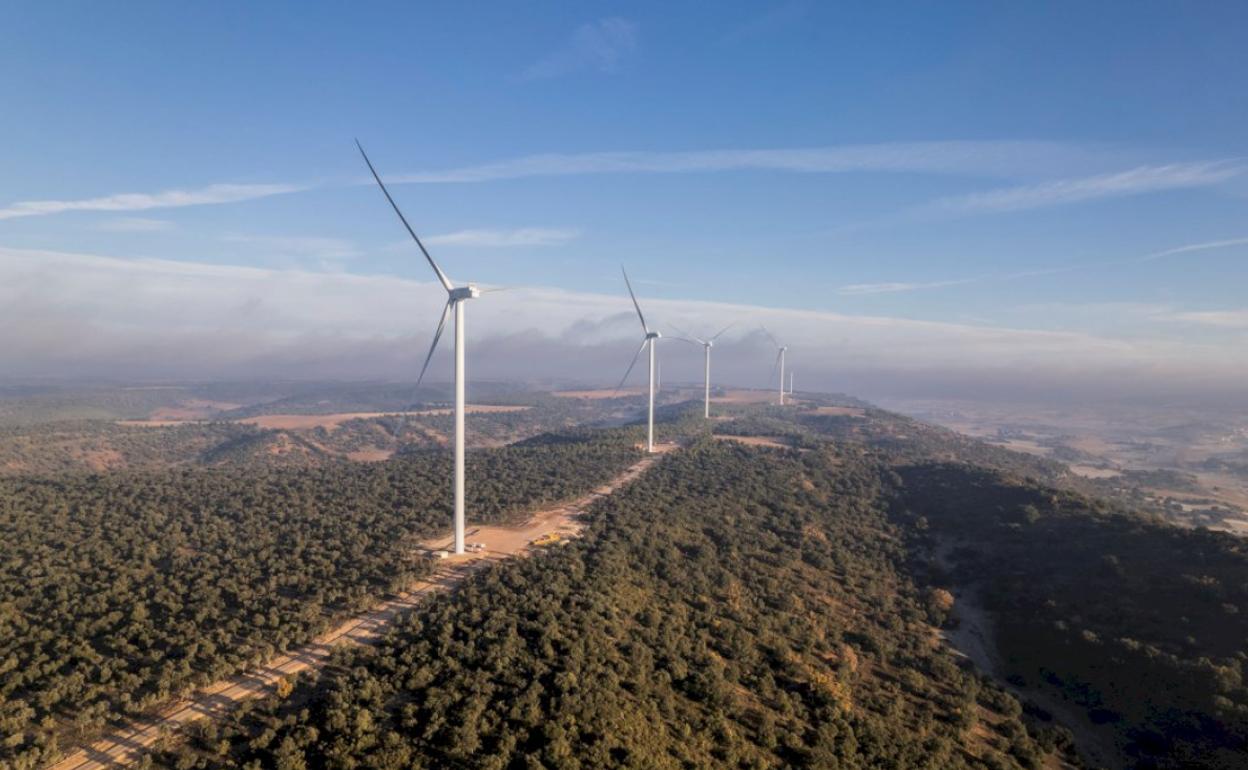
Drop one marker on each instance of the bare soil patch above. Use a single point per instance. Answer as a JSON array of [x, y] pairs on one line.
[[477, 409], [156, 423], [103, 459], [1093, 472], [746, 397], [371, 455], [599, 394], [772, 441], [848, 411], [331, 421], [1025, 446], [191, 409]]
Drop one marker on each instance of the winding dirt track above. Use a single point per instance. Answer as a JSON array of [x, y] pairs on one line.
[[127, 744]]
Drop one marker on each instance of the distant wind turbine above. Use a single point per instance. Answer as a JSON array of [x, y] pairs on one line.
[[455, 298], [649, 340], [706, 344], [781, 350]]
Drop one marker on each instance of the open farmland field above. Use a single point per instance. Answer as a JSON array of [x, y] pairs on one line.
[[600, 393], [333, 420]]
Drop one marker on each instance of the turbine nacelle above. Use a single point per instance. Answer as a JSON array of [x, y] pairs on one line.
[[469, 291], [647, 341]]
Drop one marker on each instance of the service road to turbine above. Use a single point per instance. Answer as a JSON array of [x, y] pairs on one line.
[[125, 746]]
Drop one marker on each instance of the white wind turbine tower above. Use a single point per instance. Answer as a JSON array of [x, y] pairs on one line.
[[782, 349], [706, 344], [649, 340], [455, 298]]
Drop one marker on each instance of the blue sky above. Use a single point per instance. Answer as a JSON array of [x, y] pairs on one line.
[[987, 166]]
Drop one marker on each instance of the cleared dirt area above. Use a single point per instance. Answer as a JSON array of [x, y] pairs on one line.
[[745, 397], [156, 423], [771, 441], [192, 409], [848, 411], [372, 455], [124, 747], [331, 421], [598, 394], [1092, 472], [478, 409], [308, 421], [1025, 446]]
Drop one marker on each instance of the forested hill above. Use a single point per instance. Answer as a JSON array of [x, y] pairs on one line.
[[284, 440], [736, 608], [770, 595], [751, 606], [118, 591], [1137, 628]]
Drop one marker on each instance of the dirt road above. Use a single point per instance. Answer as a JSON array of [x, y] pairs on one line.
[[125, 746]]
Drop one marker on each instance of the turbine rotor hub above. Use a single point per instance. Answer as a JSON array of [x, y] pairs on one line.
[[653, 335]]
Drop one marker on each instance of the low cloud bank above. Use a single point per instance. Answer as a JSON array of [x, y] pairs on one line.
[[76, 315]]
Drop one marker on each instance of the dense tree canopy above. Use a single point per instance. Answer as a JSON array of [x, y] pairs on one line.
[[1142, 624], [736, 608], [119, 590], [743, 607]]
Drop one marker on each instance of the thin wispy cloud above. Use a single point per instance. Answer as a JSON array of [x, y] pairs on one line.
[[599, 46], [1230, 319], [212, 194], [899, 286], [134, 225], [524, 236], [1198, 247], [1142, 179], [905, 286], [988, 158], [769, 22]]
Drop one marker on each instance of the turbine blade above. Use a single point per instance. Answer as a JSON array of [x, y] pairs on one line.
[[494, 289], [771, 336], [686, 339], [721, 331], [686, 336], [774, 367], [446, 312], [446, 282], [629, 371], [634, 296]]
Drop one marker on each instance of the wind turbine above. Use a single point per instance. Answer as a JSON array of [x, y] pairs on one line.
[[649, 340], [782, 349], [455, 298], [706, 344]]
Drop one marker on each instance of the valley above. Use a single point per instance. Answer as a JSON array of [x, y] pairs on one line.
[[1188, 464]]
